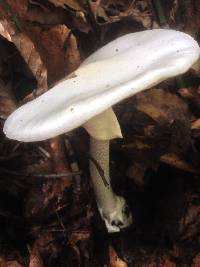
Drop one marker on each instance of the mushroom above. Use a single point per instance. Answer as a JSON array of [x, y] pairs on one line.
[[120, 69]]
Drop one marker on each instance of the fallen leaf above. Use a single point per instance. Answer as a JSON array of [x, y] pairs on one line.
[[115, 10], [191, 17], [77, 236], [67, 3], [196, 261], [196, 68], [195, 128], [18, 8], [12, 263], [115, 260], [174, 161], [7, 101], [28, 51], [32, 58], [154, 123], [3, 32], [35, 258], [192, 95], [57, 47]]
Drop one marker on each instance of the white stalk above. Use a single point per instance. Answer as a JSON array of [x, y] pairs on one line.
[[113, 209]]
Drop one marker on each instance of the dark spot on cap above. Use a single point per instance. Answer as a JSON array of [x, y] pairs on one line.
[[71, 75]]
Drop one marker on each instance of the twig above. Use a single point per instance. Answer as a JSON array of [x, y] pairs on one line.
[[46, 176], [99, 169]]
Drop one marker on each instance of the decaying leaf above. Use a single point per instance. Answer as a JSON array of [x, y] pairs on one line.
[[189, 224], [7, 101], [173, 160], [73, 4], [3, 32], [136, 171], [160, 123], [112, 11], [115, 260], [191, 11], [192, 95], [51, 195], [196, 261], [162, 106], [15, 9], [164, 262], [28, 51], [195, 125], [196, 68], [11, 263], [168, 112], [57, 47], [35, 258]]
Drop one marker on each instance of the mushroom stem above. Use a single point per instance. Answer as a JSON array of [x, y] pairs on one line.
[[113, 209]]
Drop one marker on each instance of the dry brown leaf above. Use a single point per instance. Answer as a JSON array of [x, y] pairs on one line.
[[195, 124], [46, 17], [189, 221], [166, 262], [159, 262], [196, 68], [115, 260], [161, 111], [74, 238], [77, 236], [69, 3], [51, 195], [32, 58], [136, 172], [158, 123], [173, 160], [80, 22], [19, 7], [114, 10], [161, 105], [28, 51], [57, 47], [191, 11], [196, 261], [4, 263], [7, 102], [190, 216], [3, 32], [35, 258]]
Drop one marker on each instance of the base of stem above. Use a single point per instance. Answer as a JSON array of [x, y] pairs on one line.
[[119, 218]]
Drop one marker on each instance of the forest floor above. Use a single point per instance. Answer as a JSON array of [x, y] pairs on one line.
[[48, 214]]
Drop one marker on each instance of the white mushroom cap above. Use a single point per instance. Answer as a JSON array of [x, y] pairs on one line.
[[120, 69]]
